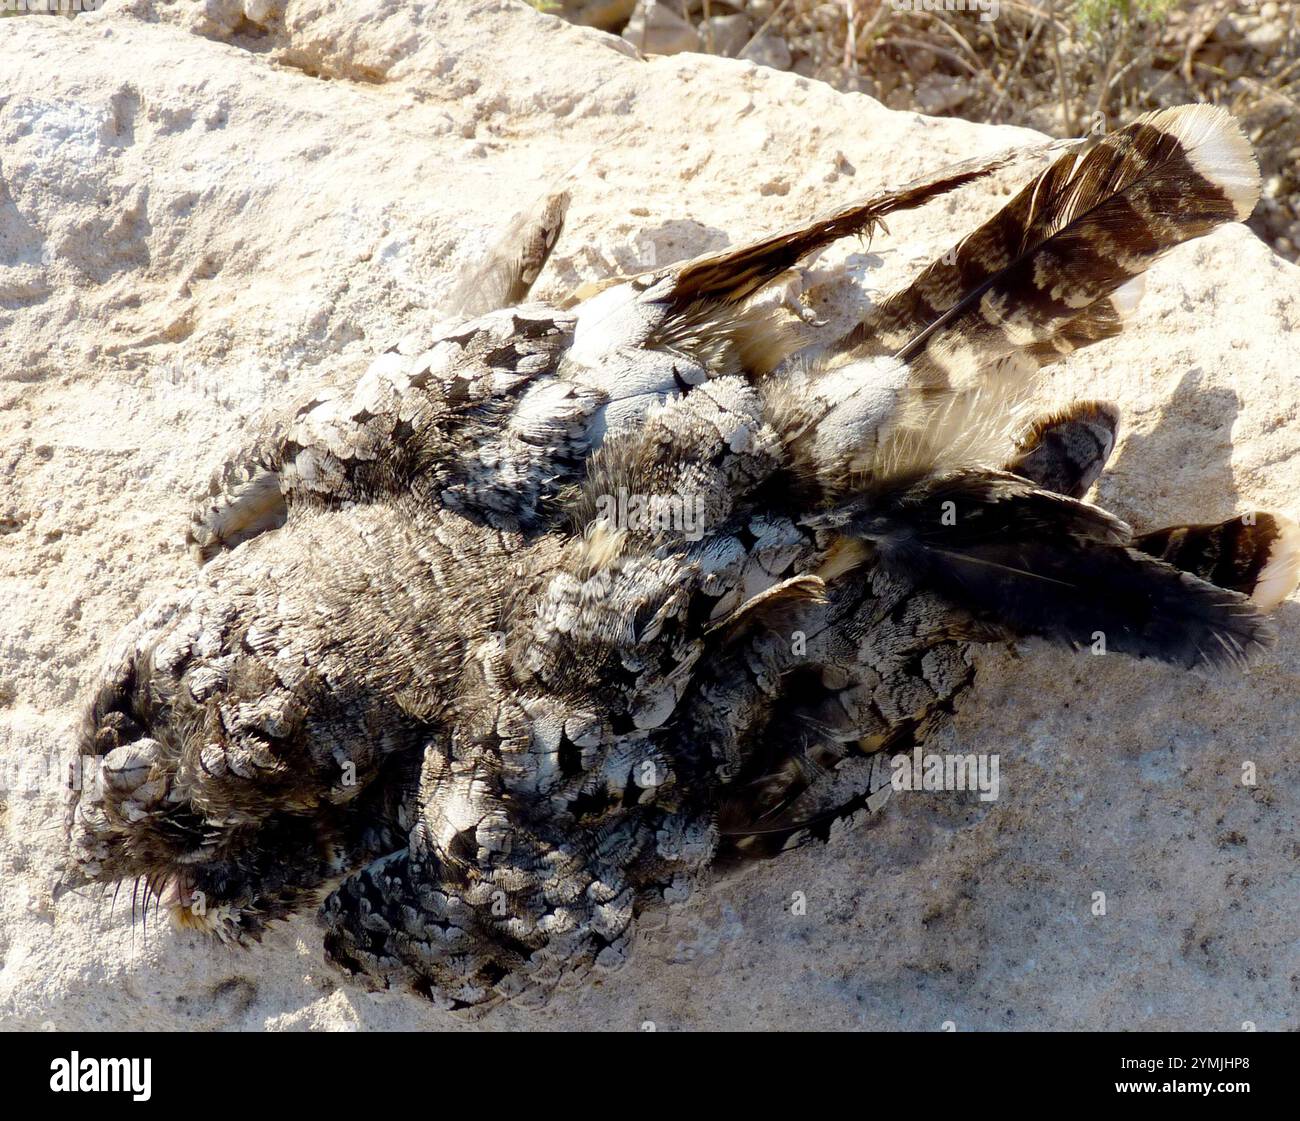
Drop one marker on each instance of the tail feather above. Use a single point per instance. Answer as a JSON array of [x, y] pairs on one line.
[[1103, 320], [1039, 564], [1087, 225], [1058, 268], [1257, 555]]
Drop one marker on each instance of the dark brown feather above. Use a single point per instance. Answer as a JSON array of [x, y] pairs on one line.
[[1036, 271]]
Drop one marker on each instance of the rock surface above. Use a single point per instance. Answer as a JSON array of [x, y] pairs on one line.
[[207, 209]]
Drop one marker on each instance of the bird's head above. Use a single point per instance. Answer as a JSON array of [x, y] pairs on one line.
[[208, 816]]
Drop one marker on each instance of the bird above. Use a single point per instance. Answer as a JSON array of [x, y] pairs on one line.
[[565, 607]]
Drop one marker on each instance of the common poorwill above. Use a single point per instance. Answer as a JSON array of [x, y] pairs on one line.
[[536, 623]]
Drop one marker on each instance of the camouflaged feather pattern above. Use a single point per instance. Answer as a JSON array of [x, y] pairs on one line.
[[426, 667]]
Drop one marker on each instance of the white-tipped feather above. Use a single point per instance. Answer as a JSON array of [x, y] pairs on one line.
[[1281, 572], [1217, 148]]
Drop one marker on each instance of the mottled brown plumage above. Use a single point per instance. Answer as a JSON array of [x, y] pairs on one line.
[[522, 633]]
